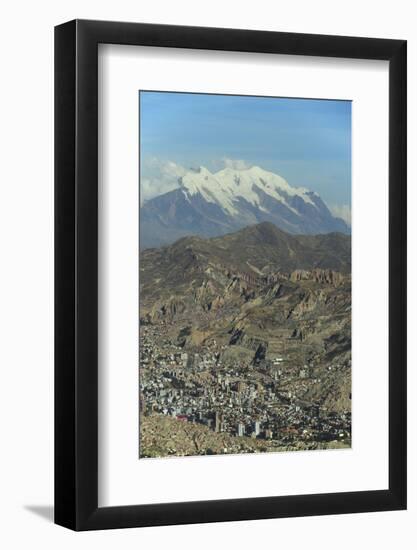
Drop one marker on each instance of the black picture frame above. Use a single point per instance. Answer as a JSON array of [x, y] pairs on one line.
[[76, 272]]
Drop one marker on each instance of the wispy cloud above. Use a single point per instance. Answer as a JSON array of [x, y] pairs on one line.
[[236, 164], [158, 177], [341, 211]]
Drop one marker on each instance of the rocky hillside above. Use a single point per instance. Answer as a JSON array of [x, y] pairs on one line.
[[257, 294], [251, 254]]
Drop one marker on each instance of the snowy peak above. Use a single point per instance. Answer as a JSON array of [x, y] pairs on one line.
[[212, 204], [227, 186]]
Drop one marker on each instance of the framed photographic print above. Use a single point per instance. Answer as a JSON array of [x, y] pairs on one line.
[[230, 337]]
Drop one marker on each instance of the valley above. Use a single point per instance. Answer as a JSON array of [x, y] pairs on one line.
[[245, 343]]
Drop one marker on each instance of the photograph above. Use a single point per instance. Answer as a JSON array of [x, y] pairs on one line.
[[208, 336], [244, 274]]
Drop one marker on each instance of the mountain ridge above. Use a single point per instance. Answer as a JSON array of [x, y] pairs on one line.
[[211, 205], [256, 251]]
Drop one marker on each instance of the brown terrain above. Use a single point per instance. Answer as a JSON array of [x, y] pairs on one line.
[[254, 326]]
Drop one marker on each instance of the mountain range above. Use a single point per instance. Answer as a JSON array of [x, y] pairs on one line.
[[210, 205]]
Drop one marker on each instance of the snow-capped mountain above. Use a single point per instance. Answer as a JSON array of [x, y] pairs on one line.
[[209, 205]]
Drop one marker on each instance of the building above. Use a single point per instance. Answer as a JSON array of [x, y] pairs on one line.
[[218, 422]]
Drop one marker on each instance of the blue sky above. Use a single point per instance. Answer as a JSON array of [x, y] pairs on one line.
[[308, 142]]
